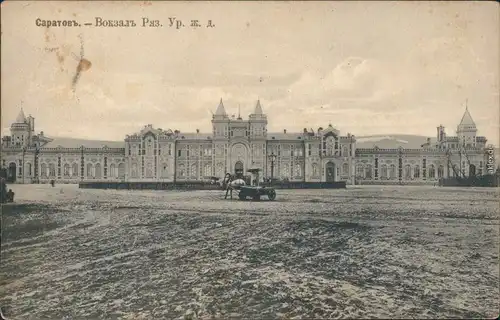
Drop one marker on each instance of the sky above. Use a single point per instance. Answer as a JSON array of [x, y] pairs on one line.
[[365, 67]]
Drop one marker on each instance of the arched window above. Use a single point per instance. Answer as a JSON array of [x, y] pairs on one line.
[[392, 172], [44, 170], [28, 169], [407, 172], [112, 171], [98, 172], [345, 151], [432, 171], [74, 172], [440, 171], [330, 146], [360, 171], [66, 170], [89, 170], [368, 171], [52, 170], [121, 170], [416, 172], [345, 168], [383, 171]]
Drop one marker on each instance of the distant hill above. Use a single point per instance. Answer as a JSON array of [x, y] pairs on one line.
[[391, 141]]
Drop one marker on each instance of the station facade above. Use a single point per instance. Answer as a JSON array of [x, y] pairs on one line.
[[236, 145]]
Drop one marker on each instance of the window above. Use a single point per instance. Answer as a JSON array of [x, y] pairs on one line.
[[359, 171], [208, 170], [368, 171], [286, 171], [432, 171], [193, 170], [314, 169], [89, 170], [112, 171], [345, 168], [298, 170], [416, 172], [135, 173], [98, 172], [383, 171], [52, 170], [407, 172], [392, 172], [66, 171], [179, 153], [44, 170], [74, 172], [440, 171], [121, 170]]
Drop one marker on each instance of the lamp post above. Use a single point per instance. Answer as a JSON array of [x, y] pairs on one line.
[[272, 157]]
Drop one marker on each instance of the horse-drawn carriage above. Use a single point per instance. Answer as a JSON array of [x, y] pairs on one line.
[[232, 183]]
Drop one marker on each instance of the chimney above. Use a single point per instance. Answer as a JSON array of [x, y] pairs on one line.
[[284, 130]]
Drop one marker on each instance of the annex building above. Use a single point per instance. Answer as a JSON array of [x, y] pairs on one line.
[[236, 145]]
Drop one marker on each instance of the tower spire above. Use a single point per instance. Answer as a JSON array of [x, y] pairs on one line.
[[221, 111], [239, 111], [258, 108]]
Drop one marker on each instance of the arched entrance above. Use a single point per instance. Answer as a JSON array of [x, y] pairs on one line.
[[330, 171], [11, 172], [238, 168]]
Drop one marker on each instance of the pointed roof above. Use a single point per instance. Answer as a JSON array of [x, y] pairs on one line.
[[21, 118], [258, 108], [220, 109], [467, 119]]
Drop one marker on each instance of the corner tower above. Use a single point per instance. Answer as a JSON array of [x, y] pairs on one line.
[[466, 130], [258, 123], [22, 130], [220, 122]]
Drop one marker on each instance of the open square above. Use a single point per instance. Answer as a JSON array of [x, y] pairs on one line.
[[360, 252]]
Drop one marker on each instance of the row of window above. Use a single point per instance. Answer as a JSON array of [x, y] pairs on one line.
[[73, 171], [390, 172]]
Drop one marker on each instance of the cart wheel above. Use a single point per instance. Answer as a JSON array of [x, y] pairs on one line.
[[271, 195]]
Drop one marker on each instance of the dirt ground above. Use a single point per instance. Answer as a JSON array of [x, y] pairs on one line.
[[361, 252]]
